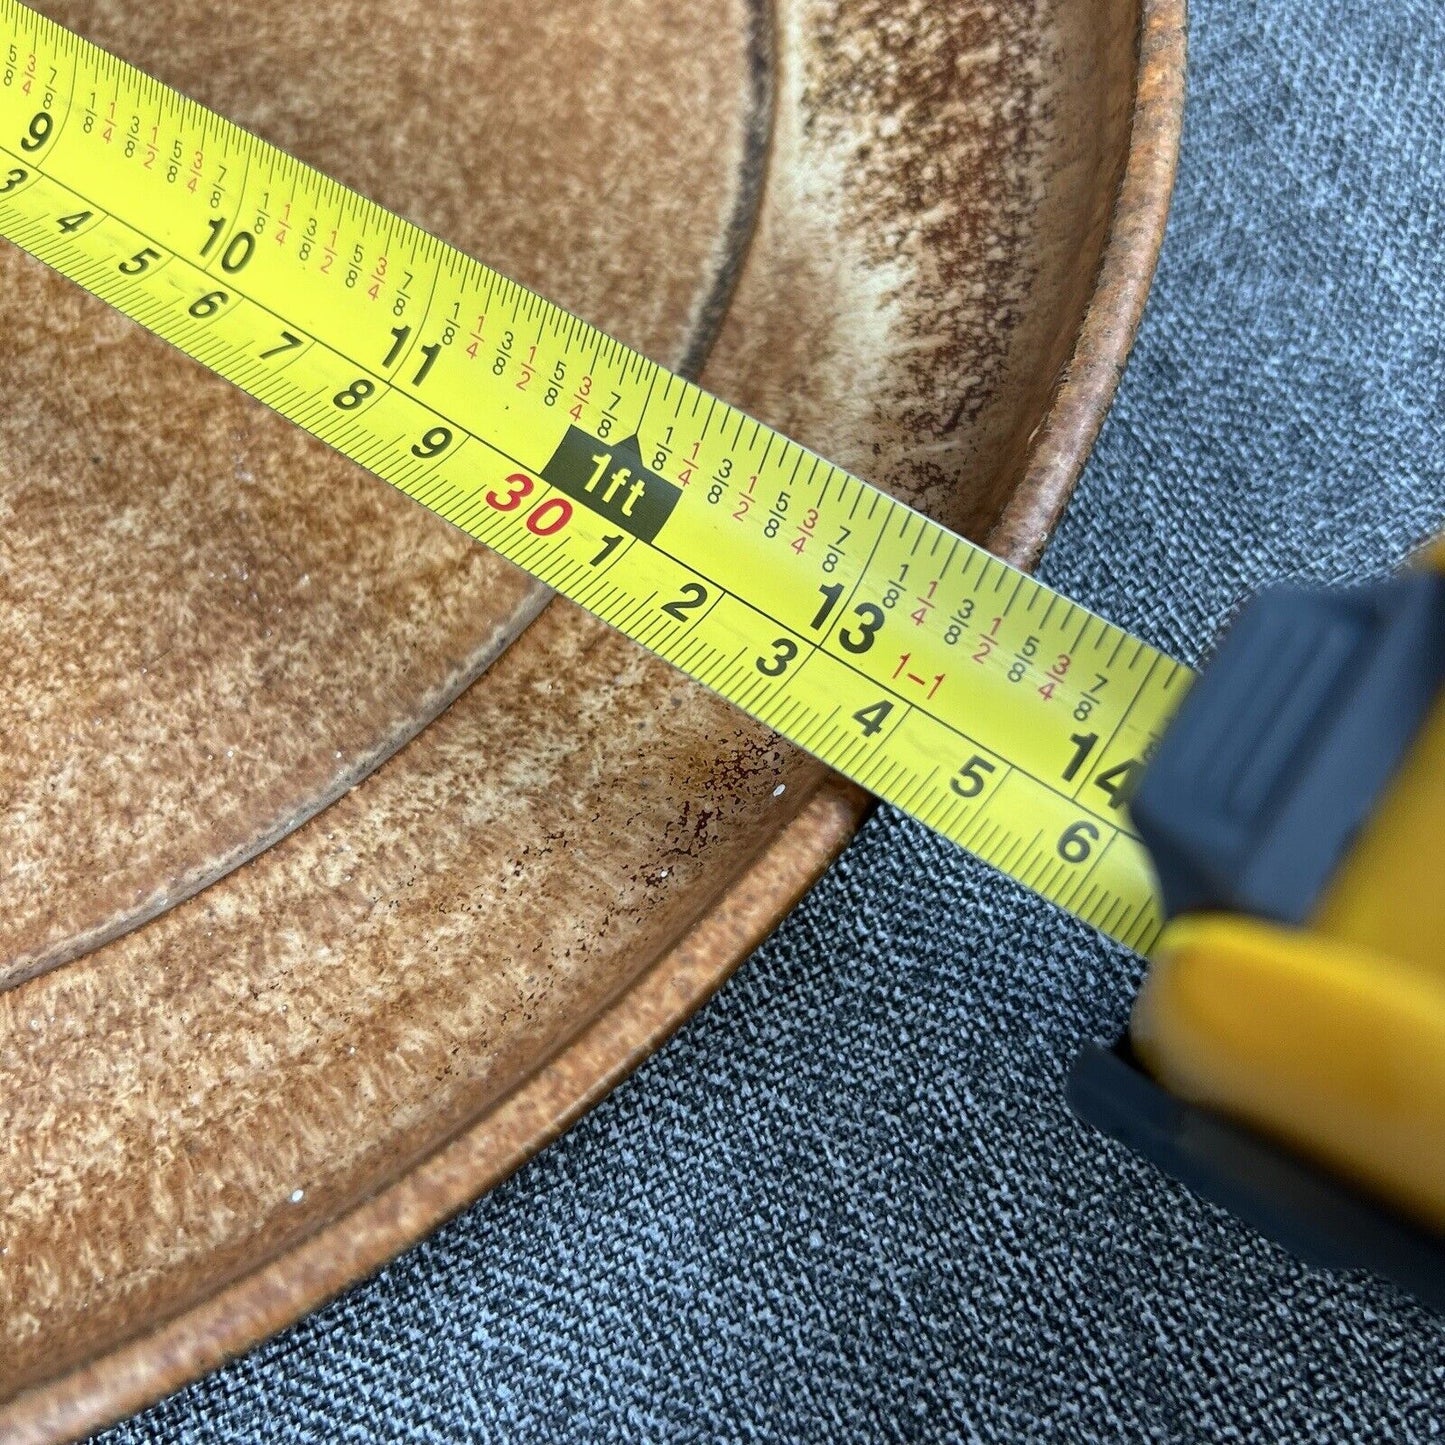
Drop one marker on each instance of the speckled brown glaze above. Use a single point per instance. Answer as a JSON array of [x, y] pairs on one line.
[[342, 975], [939, 201], [214, 1121]]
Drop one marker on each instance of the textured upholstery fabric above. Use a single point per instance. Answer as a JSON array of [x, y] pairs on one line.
[[848, 1201]]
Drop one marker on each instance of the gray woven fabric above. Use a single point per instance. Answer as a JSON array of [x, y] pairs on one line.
[[848, 1202]]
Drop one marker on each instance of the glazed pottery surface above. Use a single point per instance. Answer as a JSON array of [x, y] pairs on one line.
[[344, 865]]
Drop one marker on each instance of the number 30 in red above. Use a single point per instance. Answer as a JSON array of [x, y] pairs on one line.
[[543, 520]]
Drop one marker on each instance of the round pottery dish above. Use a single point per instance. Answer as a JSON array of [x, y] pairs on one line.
[[343, 867]]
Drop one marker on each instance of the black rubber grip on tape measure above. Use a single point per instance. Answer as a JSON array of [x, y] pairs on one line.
[[1281, 750], [1311, 1214]]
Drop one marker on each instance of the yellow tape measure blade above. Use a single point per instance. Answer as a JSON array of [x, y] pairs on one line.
[[944, 681]]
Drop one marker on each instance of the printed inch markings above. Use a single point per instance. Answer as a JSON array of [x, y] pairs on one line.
[[612, 481]]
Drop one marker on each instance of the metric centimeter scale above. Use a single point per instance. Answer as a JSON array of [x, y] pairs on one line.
[[936, 676]]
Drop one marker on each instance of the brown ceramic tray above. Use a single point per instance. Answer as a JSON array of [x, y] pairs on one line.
[[344, 868]]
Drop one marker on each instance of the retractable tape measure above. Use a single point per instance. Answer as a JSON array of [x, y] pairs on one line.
[[997, 712]]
